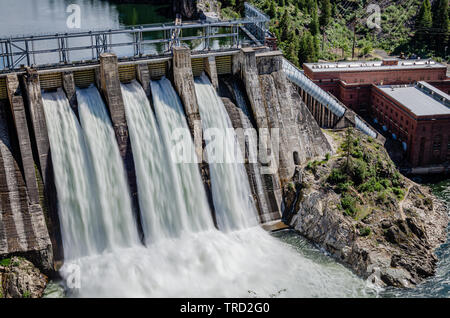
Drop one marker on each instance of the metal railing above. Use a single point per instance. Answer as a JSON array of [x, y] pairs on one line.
[[60, 49]]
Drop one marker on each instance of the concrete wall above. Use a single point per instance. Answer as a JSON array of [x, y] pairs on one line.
[[42, 155], [266, 188], [111, 90], [23, 229], [183, 80]]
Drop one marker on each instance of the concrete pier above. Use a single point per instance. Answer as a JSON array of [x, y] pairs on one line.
[[110, 88], [184, 84], [23, 230], [42, 155], [20, 121], [183, 78], [143, 76], [211, 70], [69, 88]]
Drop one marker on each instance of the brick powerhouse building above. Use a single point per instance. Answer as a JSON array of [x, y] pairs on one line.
[[351, 82], [419, 116], [355, 84]]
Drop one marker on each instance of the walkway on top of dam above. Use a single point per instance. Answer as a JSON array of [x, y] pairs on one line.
[[137, 42]]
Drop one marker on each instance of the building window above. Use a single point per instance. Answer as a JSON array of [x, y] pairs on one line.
[[437, 147]]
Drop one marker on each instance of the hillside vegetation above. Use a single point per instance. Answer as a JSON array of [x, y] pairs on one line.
[[309, 30]]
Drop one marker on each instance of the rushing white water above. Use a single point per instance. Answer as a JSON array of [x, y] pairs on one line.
[[180, 259], [245, 263], [163, 207], [232, 197], [83, 232], [113, 194], [170, 115]]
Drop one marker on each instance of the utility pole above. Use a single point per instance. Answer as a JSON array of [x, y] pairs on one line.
[[354, 41]]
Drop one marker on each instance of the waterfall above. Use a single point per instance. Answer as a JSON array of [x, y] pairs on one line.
[[113, 193], [170, 116], [233, 200], [163, 207], [185, 256], [83, 231]]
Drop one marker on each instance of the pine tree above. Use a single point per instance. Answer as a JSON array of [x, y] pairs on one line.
[[440, 26], [285, 25], [423, 24], [307, 51], [314, 25], [325, 15], [272, 9], [424, 18]]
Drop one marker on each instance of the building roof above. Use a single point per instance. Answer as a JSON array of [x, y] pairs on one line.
[[371, 65], [421, 99]]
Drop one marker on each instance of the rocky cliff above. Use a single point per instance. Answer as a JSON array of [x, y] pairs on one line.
[[358, 207], [19, 278]]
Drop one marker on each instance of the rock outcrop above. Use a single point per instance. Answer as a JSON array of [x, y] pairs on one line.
[[385, 227], [19, 278]]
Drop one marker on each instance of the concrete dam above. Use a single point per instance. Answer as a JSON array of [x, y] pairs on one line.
[[89, 176]]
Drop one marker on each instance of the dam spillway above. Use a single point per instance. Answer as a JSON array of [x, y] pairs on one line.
[[83, 233], [234, 203], [110, 178], [185, 259], [187, 254]]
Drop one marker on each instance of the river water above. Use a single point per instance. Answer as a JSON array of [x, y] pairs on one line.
[[20, 17]]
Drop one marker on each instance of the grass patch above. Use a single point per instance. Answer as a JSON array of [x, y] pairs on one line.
[[5, 262]]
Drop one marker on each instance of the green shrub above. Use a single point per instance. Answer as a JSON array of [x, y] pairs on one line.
[[400, 193], [344, 186], [359, 171], [291, 186], [327, 157], [357, 153], [336, 176], [428, 202], [348, 204], [385, 183], [26, 294], [368, 186], [5, 262], [312, 165], [365, 231]]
